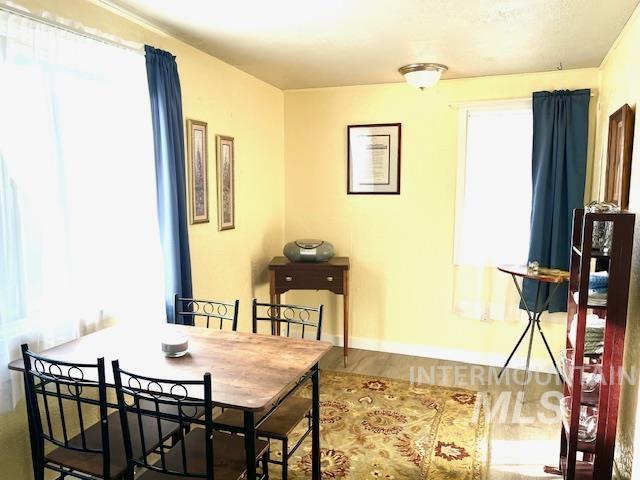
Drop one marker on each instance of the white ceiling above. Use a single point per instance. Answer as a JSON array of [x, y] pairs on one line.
[[305, 43]]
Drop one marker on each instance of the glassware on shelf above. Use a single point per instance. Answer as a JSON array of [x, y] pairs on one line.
[[602, 231], [587, 422], [591, 373]]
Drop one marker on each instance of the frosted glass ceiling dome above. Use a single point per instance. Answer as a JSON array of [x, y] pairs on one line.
[[423, 75]]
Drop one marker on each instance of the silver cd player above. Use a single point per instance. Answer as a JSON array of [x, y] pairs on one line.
[[308, 250]]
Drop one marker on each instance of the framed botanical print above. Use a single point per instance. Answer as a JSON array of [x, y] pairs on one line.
[[373, 158], [197, 171], [226, 185]]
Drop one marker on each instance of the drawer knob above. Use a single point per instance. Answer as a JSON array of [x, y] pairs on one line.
[[288, 279], [329, 279]]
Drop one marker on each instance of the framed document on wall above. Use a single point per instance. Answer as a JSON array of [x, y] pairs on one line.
[[373, 159]]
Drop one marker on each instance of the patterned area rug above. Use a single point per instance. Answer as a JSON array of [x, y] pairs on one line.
[[374, 427]]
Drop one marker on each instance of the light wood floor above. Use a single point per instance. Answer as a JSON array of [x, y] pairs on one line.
[[517, 451]]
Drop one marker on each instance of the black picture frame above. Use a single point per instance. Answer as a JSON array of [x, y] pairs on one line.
[[392, 187]]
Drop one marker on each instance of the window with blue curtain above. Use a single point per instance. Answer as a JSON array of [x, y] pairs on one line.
[[79, 241]]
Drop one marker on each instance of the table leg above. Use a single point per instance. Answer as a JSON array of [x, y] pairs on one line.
[[250, 444], [272, 286], [526, 368], [274, 298], [546, 344], [278, 301], [345, 316], [532, 319], [315, 425], [529, 325], [544, 339]]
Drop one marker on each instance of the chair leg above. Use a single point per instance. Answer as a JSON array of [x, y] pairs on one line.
[[265, 466], [129, 474], [39, 473], [285, 459]]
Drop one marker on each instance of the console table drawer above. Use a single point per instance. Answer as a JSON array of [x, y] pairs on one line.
[[309, 279]]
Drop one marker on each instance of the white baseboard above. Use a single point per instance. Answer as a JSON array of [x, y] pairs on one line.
[[426, 351]]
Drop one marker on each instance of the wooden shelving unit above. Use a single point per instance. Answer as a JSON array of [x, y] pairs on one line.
[[596, 458]]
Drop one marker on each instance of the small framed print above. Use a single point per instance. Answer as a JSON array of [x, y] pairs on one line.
[[373, 159], [226, 185], [619, 153], [197, 166]]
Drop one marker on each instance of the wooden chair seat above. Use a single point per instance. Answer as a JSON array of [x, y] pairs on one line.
[[91, 463], [281, 422], [229, 457]]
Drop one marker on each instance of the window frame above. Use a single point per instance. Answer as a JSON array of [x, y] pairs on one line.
[[464, 110]]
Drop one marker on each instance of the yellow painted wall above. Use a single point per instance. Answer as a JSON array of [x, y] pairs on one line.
[[291, 150], [401, 246], [620, 84], [229, 264]]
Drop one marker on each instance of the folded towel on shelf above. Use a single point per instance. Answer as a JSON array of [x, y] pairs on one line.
[[594, 322], [593, 336], [598, 280], [596, 299], [598, 290]]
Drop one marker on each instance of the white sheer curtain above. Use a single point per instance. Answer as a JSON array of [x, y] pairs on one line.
[[494, 208], [79, 240]]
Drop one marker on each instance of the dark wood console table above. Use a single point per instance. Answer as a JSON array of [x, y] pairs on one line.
[[333, 275]]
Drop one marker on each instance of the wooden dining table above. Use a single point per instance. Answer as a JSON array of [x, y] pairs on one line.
[[249, 372]]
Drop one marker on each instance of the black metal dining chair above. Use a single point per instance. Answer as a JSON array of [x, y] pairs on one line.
[[206, 313], [72, 432], [291, 321], [200, 453]]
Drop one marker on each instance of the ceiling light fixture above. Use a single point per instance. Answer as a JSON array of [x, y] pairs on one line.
[[422, 75]]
